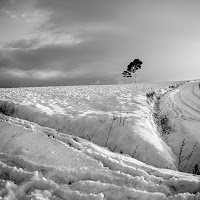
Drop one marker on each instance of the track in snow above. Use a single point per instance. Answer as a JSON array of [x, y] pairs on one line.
[[182, 106], [40, 163]]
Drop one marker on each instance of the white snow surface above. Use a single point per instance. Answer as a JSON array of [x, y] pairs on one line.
[[182, 105], [97, 142]]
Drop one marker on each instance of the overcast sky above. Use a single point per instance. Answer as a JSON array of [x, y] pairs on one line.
[[75, 42]]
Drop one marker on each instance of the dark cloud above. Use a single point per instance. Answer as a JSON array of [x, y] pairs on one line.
[[15, 9], [97, 49], [6, 60], [6, 80], [80, 11], [17, 5], [88, 16]]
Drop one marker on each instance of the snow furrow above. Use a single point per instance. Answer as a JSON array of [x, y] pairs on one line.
[[196, 91], [185, 97]]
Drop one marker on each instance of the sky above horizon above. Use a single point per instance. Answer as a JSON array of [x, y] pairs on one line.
[[83, 42]]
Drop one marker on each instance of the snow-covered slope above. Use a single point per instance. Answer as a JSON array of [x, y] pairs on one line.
[[42, 157], [182, 106], [114, 116], [40, 163]]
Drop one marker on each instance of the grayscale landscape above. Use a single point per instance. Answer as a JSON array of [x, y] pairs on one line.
[[99, 100]]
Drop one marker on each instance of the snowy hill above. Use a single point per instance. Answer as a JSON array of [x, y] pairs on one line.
[[99, 142]]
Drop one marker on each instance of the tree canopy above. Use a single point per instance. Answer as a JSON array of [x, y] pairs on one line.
[[132, 68]]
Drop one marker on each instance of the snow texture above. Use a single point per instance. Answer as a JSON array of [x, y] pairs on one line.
[[98, 142]]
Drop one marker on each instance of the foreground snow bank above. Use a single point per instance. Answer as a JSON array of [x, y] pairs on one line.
[[41, 163], [116, 116]]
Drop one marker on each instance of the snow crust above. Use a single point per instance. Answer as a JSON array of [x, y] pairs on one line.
[[80, 143]]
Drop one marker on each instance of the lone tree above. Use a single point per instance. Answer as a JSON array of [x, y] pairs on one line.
[[132, 68]]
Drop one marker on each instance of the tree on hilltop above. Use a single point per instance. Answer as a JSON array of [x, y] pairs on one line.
[[132, 68]]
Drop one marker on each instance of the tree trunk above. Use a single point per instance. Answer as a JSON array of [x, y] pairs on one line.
[[135, 77]]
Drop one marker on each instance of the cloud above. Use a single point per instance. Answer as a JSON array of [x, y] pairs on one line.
[[40, 40], [73, 38], [59, 51], [9, 12], [79, 11], [16, 4], [81, 18], [35, 74], [36, 17]]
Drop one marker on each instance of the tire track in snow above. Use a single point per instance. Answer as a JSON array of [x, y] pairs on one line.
[[187, 97], [184, 114], [182, 104], [195, 91], [170, 103]]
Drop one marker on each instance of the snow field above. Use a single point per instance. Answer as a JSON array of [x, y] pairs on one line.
[[117, 117], [43, 153], [69, 167]]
